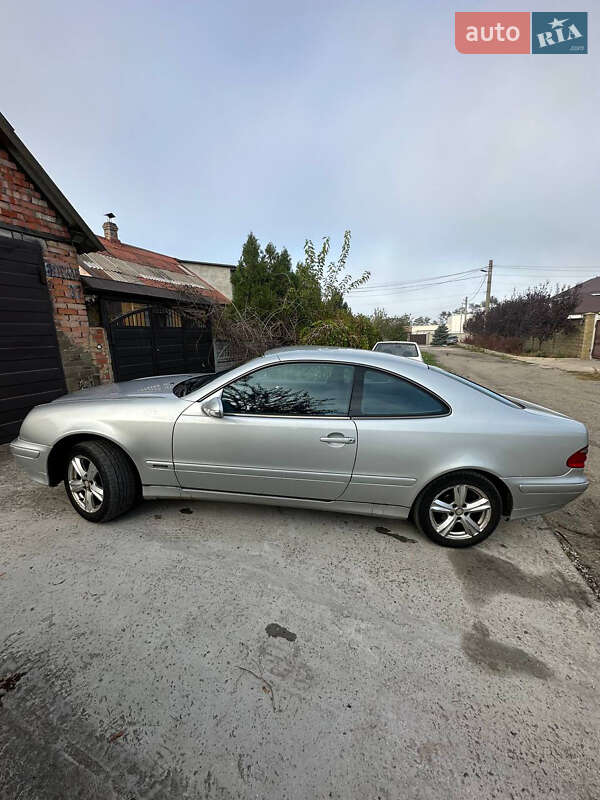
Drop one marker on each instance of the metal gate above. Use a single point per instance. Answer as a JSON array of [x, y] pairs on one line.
[[157, 340], [30, 364], [596, 346]]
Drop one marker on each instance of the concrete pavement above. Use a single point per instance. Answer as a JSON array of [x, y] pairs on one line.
[[415, 671], [578, 524]]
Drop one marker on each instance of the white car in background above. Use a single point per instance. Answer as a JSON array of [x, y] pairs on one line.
[[404, 349]]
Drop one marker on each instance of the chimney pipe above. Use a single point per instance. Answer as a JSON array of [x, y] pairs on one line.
[[111, 231]]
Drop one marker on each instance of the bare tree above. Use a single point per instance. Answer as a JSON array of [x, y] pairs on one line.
[[247, 333]]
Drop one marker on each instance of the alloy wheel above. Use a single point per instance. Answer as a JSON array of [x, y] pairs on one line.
[[85, 484], [460, 512]]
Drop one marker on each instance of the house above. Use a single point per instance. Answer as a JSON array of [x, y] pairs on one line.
[[588, 312], [46, 344], [423, 334], [65, 294], [140, 300]]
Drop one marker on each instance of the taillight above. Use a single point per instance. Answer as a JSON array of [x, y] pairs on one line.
[[577, 460]]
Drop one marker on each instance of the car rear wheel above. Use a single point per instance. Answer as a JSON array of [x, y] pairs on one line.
[[459, 510], [100, 481]]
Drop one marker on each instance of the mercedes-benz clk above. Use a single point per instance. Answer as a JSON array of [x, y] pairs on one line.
[[334, 429]]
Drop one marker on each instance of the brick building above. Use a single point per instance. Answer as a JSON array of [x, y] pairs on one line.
[[78, 309], [139, 299], [46, 344]]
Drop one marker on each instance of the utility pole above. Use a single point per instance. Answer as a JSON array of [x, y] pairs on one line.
[[466, 311], [488, 293]]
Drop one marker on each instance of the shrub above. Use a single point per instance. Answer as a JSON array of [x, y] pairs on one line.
[[492, 341], [331, 333]]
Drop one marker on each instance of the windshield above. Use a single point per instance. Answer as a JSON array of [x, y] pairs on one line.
[[197, 382], [406, 349]]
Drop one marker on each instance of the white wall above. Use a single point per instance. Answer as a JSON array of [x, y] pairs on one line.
[[455, 323], [217, 275]]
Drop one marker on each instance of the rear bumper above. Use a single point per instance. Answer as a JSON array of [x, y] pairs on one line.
[[533, 496], [32, 458]]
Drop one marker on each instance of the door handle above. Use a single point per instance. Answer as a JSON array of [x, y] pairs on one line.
[[337, 439]]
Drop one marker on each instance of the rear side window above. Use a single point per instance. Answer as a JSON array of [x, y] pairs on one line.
[[385, 395], [405, 349], [292, 390], [483, 389]]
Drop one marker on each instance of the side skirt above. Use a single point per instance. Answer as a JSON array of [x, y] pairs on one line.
[[343, 506]]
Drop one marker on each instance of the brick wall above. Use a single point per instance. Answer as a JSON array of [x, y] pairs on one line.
[[22, 205], [101, 354]]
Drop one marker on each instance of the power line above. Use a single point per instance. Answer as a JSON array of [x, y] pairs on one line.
[[406, 289], [483, 280], [566, 268], [399, 284]]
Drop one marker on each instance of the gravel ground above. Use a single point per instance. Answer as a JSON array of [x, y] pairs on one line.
[[578, 524], [247, 652]]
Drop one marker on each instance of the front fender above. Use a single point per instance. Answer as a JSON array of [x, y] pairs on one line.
[[142, 427]]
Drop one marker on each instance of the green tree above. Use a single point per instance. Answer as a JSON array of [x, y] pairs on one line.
[[441, 334], [390, 328], [263, 278], [332, 277]]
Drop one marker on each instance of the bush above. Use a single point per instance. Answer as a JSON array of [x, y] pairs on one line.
[[330, 333], [538, 313], [492, 341]]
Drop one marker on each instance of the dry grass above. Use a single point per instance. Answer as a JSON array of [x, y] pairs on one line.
[[586, 376]]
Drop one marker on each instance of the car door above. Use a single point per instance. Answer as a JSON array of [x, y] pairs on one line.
[[285, 431], [401, 427]]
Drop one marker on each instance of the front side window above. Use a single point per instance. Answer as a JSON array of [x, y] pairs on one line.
[[385, 395], [299, 389], [406, 349]]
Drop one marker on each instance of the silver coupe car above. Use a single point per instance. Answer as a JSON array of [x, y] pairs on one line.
[[335, 429]]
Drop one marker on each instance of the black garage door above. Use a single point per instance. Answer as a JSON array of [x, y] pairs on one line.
[[30, 366], [157, 340]]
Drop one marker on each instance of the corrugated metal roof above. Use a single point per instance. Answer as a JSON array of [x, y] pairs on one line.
[[103, 265]]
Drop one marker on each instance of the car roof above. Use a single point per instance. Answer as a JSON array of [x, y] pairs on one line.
[[395, 341], [349, 355]]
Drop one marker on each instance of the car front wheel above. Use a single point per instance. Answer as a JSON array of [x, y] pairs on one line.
[[100, 480], [459, 510]]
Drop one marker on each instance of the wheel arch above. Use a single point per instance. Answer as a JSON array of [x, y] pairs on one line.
[[503, 490], [58, 455]]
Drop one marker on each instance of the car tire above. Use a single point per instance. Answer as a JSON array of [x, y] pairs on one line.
[[100, 480], [458, 510]]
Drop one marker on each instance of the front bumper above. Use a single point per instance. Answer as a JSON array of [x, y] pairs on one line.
[[33, 458], [533, 496]]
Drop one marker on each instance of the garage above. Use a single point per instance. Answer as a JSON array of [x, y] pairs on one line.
[[30, 364]]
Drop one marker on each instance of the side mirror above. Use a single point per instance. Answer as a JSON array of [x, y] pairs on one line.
[[213, 407]]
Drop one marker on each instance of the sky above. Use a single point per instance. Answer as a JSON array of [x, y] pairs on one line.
[[197, 122]]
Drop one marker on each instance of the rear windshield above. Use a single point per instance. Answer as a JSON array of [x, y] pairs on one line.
[[483, 389], [406, 349], [197, 382]]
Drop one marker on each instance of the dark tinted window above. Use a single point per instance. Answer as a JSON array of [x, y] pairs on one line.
[[483, 389], [397, 349], [385, 395], [301, 389]]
